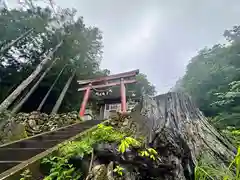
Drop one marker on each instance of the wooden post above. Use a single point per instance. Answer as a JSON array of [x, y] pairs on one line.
[[85, 99], [123, 96]]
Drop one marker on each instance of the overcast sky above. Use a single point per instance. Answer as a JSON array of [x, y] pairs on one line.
[[156, 36]]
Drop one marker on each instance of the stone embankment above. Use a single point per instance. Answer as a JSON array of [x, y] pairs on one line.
[[22, 125]]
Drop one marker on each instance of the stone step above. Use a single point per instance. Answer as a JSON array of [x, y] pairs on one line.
[[19, 154], [34, 144], [14, 153], [4, 165]]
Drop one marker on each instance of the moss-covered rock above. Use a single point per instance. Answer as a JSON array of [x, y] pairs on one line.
[[18, 132]]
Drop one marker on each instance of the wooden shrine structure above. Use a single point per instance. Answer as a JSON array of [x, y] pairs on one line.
[[101, 85]]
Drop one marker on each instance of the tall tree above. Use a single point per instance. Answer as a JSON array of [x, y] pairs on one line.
[[35, 86], [50, 89], [62, 95], [9, 45], [81, 44], [8, 101]]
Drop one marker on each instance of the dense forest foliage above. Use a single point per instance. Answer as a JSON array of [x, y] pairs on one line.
[[79, 52], [213, 80]]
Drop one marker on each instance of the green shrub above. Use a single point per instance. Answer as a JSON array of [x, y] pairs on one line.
[[208, 169], [61, 170], [60, 167]]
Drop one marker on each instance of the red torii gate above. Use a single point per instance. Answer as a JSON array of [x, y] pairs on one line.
[[107, 81]]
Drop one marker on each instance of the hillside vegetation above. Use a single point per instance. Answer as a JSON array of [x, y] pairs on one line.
[[212, 79]]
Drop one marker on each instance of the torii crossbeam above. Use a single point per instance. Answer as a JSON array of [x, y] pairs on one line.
[[107, 81]]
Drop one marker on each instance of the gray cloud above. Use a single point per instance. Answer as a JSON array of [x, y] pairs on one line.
[[157, 36]]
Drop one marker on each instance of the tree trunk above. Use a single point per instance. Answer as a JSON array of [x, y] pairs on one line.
[[7, 102], [60, 99], [9, 45], [50, 89], [180, 133], [19, 105], [176, 129]]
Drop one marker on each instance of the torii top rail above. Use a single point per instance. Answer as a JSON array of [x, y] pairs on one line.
[[107, 81]]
